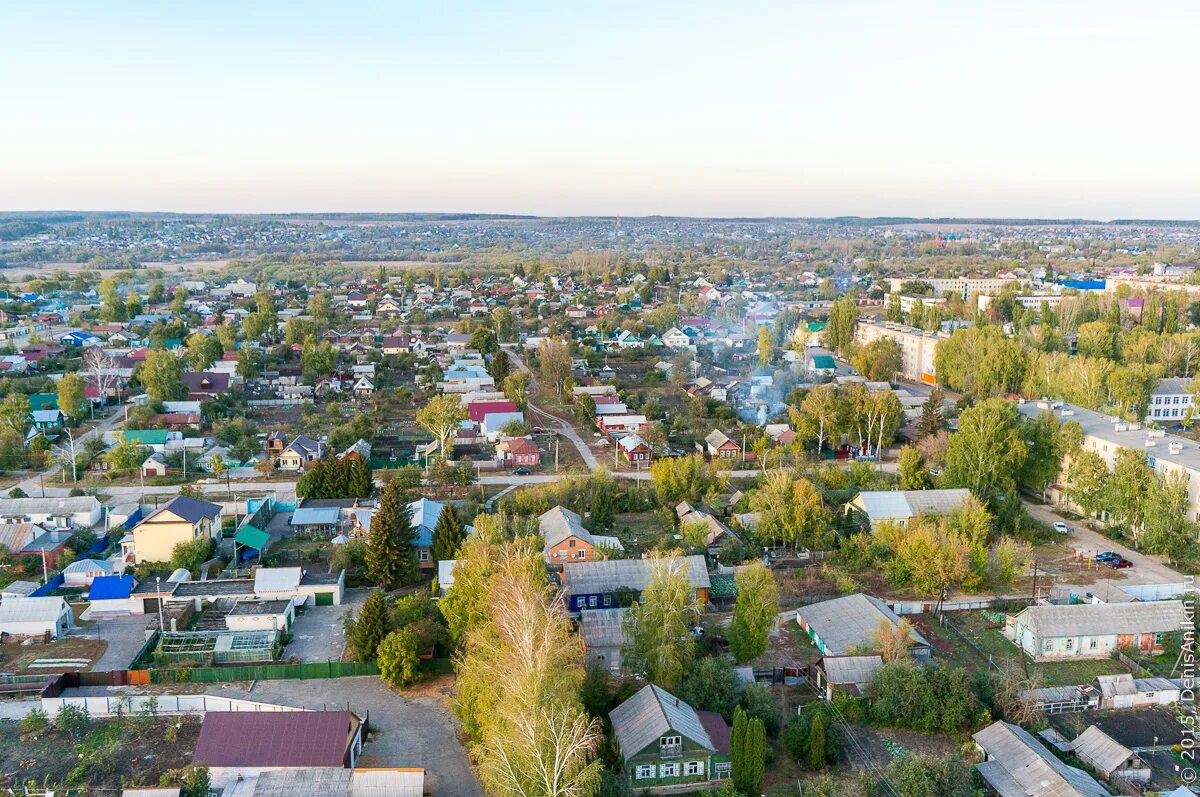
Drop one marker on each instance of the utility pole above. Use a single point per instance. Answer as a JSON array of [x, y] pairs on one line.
[[557, 440]]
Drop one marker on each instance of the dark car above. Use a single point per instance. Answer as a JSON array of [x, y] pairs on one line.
[[1107, 556], [1119, 563], [522, 472]]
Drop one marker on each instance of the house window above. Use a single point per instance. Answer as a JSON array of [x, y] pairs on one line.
[[1094, 643], [607, 601], [646, 771], [581, 555], [1048, 645], [1158, 638], [570, 543], [670, 770], [694, 768], [670, 745], [1071, 644], [722, 769], [592, 601], [424, 555]]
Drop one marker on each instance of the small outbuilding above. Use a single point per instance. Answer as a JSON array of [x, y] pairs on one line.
[[28, 618]]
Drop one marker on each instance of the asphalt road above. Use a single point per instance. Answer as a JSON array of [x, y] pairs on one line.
[[1146, 569]]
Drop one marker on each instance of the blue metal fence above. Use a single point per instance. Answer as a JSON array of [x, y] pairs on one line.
[[48, 587]]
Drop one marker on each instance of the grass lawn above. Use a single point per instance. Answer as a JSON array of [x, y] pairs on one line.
[[641, 531], [1071, 673]]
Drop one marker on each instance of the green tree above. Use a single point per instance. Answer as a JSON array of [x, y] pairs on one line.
[[660, 642], [764, 346], [711, 685], [448, 535], [1129, 490], [156, 294], [747, 747], [125, 456], [374, 622], [191, 554], [71, 398], [1087, 482], [14, 414], [133, 305], [178, 297], [843, 319], [399, 658], [981, 361], [1169, 531], [932, 415], [161, 374], [814, 757], [390, 552], [361, 482], [516, 388], [987, 452], [317, 358], [927, 776], [554, 362], [754, 613], [483, 340], [203, 350], [677, 479], [248, 364], [913, 473], [879, 360]]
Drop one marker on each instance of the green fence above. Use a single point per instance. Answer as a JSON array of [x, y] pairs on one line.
[[264, 672]]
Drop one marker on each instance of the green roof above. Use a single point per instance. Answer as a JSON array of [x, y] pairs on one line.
[[816, 326], [253, 537], [146, 437], [43, 401], [823, 361], [722, 586]]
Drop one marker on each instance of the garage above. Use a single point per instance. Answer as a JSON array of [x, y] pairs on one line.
[[324, 598]]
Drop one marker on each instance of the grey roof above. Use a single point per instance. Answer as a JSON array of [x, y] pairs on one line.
[[595, 578], [559, 524], [259, 608], [651, 713], [315, 516], [1174, 385], [193, 510], [31, 610], [339, 782], [48, 506], [1103, 619], [1020, 766], [219, 586], [1100, 751], [888, 504], [850, 669], [850, 622], [603, 628], [1134, 436]]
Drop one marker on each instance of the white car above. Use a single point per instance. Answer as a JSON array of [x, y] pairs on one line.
[[1062, 528]]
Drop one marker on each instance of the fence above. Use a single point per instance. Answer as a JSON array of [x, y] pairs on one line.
[[160, 704], [51, 585], [1137, 669], [276, 402], [264, 672]]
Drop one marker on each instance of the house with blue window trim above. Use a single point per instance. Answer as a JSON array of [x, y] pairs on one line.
[[594, 585]]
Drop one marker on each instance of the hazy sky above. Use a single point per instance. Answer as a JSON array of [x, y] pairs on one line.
[[802, 107]]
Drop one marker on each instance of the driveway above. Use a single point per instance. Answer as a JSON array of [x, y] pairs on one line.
[[317, 634], [1146, 569], [405, 731], [125, 637]]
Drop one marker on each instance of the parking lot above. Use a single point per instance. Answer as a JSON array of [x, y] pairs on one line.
[[317, 634]]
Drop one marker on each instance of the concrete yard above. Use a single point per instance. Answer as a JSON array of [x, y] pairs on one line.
[[317, 633], [124, 636]]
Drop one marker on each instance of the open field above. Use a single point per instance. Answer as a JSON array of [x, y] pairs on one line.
[[18, 658]]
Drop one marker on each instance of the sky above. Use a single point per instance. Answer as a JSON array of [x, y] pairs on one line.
[[789, 108]]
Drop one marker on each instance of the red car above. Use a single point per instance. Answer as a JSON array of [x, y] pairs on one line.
[[1120, 563]]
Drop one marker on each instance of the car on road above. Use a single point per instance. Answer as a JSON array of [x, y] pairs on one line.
[[537, 430], [522, 472], [1120, 563], [1062, 528], [1106, 556]]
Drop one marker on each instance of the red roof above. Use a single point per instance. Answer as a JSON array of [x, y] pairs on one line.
[[718, 731], [476, 410], [274, 738], [521, 445]]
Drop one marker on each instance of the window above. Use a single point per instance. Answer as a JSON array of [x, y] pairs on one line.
[[424, 555], [670, 746], [694, 768], [570, 543], [646, 771], [722, 769], [1094, 643], [670, 770], [1071, 644], [1158, 638], [1048, 645], [581, 555], [592, 601], [607, 601]]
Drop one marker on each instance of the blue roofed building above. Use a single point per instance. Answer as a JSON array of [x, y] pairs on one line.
[[112, 596], [424, 515]]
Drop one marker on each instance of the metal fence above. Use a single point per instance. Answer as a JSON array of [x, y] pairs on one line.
[[264, 672]]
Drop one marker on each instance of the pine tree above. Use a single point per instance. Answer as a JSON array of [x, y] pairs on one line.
[[361, 480], [931, 419], [337, 476], [386, 561], [373, 624], [737, 751], [498, 368], [755, 755], [814, 757], [447, 535]]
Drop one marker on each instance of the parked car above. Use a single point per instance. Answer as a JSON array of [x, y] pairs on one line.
[[522, 472], [1120, 563], [1107, 556], [1062, 528]]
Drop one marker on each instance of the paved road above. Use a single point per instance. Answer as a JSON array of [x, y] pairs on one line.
[[406, 731], [1146, 569], [33, 485]]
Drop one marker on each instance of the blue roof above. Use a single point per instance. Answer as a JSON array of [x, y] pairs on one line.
[[1083, 285], [111, 588], [424, 515]]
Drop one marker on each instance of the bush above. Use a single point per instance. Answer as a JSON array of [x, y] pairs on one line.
[[711, 685], [72, 719], [399, 658], [799, 733], [35, 722], [17, 492], [760, 704], [922, 698]]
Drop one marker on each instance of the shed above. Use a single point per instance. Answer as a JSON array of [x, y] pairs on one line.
[[251, 538], [276, 581], [112, 596], [844, 625], [261, 615], [1108, 756], [83, 572], [35, 617], [315, 520], [846, 673], [255, 739], [603, 634]]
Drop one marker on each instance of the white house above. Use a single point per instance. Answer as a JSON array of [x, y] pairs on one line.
[[53, 513], [261, 615], [35, 617], [83, 572], [1093, 630], [1170, 402]]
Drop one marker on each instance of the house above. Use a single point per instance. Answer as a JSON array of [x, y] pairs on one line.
[[364, 387], [1094, 630], [1017, 764], [182, 519], [676, 338], [617, 426], [848, 625], [15, 536], [82, 572], [849, 674], [478, 410], [603, 635], [1109, 757], [299, 454], [112, 596], [53, 513], [424, 515], [27, 618], [664, 742], [820, 365], [719, 446], [1124, 691], [566, 540], [251, 741], [519, 451], [635, 450], [493, 422], [153, 439], [715, 533], [155, 465], [900, 506], [359, 449], [595, 584], [46, 419], [319, 521], [261, 615], [49, 545], [203, 385]]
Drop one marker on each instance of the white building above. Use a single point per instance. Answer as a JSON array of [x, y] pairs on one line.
[[1170, 402], [963, 286], [53, 513], [35, 617]]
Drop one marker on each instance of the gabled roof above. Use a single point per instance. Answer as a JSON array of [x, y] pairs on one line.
[[888, 504], [31, 610], [850, 621], [424, 515], [559, 524], [1020, 766], [652, 713], [594, 578], [274, 738], [1100, 751], [193, 510], [277, 579], [1103, 619]]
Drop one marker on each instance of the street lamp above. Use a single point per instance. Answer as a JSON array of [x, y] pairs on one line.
[[158, 589]]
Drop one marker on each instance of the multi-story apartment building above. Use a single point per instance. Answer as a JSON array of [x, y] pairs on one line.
[[917, 346], [964, 286], [1170, 402]]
